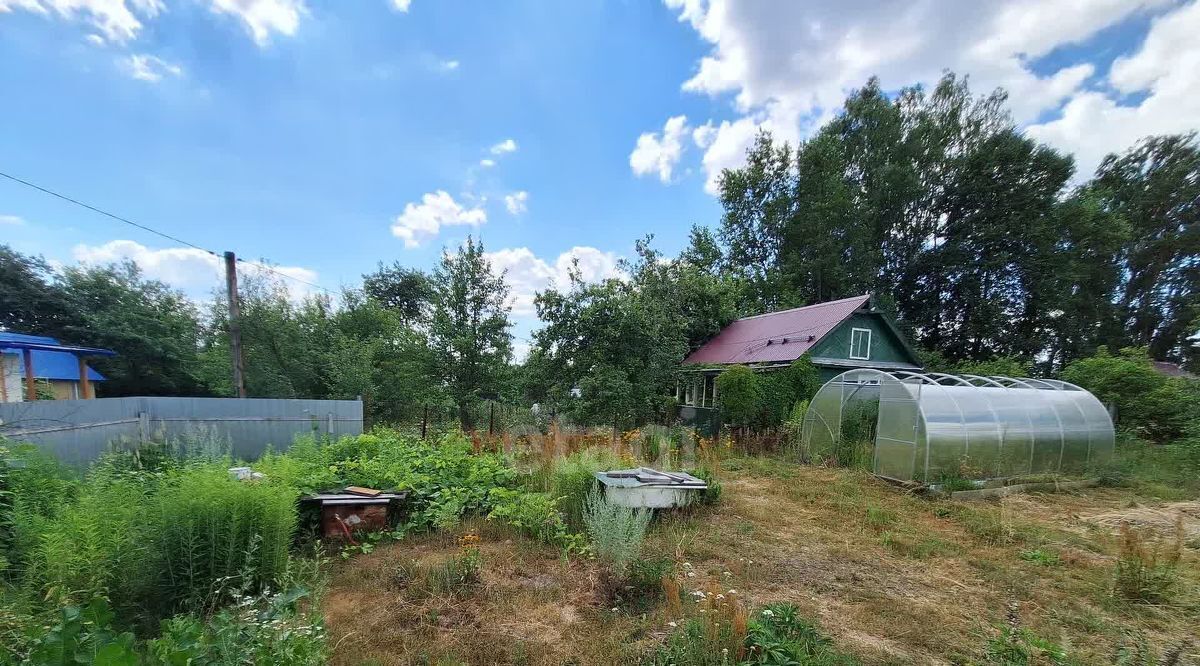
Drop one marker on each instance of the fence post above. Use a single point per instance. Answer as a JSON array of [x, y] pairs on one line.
[[424, 421], [491, 418], [143, 426], [329, 425]]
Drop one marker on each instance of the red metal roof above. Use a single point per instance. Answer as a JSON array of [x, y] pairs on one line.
[[746, 340]]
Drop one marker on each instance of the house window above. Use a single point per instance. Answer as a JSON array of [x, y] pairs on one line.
[[860, 344]]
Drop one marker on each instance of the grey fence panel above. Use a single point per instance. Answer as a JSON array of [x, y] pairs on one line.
[[78, 431]]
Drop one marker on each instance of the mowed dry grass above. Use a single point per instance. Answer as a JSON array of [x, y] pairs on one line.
[[895, 579]]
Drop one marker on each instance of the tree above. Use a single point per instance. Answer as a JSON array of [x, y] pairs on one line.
[[469, 331], [154, 329], [30, 301], [1155, 188], [405, 291]]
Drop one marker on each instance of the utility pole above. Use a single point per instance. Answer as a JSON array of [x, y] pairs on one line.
[[235, 329]]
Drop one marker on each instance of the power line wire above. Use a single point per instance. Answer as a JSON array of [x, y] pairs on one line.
[[106, 213], [156, 232]]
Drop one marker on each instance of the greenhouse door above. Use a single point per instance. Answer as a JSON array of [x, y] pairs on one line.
[[898, 432]]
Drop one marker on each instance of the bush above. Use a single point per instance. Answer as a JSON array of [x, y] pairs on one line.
[[739, 394], [616, 531], [84, 635], [1149, 404]]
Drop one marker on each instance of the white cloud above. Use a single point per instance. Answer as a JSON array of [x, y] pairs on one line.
[[658, 154], [449, 65], [401, 5], [1095, 123], [517, 202], [422, 221], [194, 272], [14, 220], [527, 274], [263, 17], [789, 66], [487, 163], [505, 146], [117, 19], [95, 40], [146, 67]]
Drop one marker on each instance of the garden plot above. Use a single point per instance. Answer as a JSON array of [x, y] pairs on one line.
[[891, 578]]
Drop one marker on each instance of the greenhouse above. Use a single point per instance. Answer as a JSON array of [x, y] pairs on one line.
[[930, 427]]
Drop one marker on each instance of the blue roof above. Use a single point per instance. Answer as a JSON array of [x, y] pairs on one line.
[[49, 364]]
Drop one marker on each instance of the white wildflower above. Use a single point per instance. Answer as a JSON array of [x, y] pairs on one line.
[[733, 592], [672, 624], [768, 613]]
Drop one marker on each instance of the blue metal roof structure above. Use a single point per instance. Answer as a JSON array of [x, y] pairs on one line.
[[51, 359]]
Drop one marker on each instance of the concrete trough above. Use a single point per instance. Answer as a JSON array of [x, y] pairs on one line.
[[646, 488]]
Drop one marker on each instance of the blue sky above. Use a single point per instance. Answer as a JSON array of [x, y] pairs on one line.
[[329, 136]]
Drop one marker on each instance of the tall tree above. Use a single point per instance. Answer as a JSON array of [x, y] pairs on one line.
[[1155, 188], [406, 291], [469, 331]]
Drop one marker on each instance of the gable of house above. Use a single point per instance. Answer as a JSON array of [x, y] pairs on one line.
[[864, 339]]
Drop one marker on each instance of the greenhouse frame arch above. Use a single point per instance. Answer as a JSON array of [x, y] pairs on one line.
[[933, 426]]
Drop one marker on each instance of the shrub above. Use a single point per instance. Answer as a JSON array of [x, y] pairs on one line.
[[739, 394], [712, 494], [1149, 404], [1147, 573], [645, 583], [616, 532]]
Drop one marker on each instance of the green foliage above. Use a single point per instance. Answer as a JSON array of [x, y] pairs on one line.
[[271, 629], [620, 341], [1149, 404], [573, 478], [84, 635], [535, 514], [1042, 557], [778, 636], [739, 394], [616, 532], [712, 494], [1021, 647], [206, 527], [469, 330]]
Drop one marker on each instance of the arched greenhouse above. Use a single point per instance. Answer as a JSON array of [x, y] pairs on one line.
[[930, 426]]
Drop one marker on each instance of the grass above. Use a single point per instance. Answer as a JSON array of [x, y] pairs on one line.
[[890, 579]]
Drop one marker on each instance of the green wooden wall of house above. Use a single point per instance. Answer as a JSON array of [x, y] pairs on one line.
[[885, 347]]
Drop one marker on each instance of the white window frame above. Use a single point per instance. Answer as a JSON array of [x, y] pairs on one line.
[[854, 331]]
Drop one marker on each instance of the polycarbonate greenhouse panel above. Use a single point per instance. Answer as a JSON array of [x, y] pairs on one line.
[[933, 427]]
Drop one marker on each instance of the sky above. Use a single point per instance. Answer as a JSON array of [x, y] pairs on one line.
[[327, 136]]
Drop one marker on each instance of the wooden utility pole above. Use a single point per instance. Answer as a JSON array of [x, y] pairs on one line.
[[235, 330]]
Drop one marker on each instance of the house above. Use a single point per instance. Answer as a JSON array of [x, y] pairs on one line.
[[32, 362], [837, 335]]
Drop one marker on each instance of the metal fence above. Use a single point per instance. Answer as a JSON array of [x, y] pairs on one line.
[[79, 431]]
